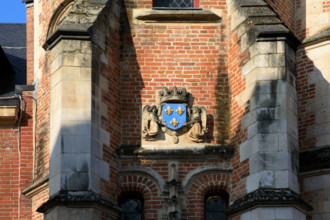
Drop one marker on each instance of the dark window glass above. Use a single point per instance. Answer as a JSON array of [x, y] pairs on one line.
[[132, 209], [174, 3], [215, 207]]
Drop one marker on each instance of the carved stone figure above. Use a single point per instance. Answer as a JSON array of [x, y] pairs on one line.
[[150, 123], [198, 124]]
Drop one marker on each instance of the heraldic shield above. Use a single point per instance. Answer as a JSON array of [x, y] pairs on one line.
[[175, 115]]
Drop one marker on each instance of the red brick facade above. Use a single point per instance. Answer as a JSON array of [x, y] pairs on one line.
[[137, 60]]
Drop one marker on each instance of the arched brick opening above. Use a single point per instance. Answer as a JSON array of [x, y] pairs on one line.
[[147, 187], [199, 188]]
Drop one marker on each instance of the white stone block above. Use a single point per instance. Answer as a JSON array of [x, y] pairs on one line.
[[317, 182], [83, 143], [83, 162], [100, 168], [266, 179], [246, 216], [69, 144], [68, 162], [266, 213], [284, 213], [55, 166], [83, 127]]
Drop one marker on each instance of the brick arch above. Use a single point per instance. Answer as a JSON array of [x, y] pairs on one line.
[[61, 11], [147, 187], [199, 187]]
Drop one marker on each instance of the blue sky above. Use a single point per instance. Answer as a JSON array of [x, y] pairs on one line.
[[12, 11]]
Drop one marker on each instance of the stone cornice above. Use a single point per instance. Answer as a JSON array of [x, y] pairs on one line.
[[209, 152], [68, 32], [268, 197], [78, 199]]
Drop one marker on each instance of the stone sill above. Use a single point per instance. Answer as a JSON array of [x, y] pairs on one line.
[[36, 187], [8, 115], [178, 16]]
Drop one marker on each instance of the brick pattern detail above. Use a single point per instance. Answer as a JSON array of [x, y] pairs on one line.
[[148, 189], [305, 91], [203, 185]]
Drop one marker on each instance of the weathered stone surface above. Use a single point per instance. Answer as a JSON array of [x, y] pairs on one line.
[[268, 197]]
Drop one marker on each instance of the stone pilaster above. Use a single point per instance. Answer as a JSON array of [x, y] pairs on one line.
[[271, 148]]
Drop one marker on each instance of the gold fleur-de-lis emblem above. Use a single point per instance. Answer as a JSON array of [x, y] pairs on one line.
[[180, 111], [174, 122], [169, 111]]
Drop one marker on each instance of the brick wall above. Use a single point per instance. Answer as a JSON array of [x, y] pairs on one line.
[[46, 10], [16, 164], [186, 55], [29, 45], [285, 9]]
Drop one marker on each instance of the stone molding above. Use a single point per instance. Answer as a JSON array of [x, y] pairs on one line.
[[315, 159], [78, 199], [36, 187], [205, 152], [317, 38], [181, 15], [67, 32], [268, 197]]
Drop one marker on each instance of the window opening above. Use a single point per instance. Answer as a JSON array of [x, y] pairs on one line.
[[173, 4], [215, 207], [132, 208]]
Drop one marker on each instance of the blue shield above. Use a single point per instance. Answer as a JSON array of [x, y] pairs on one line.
[[175, 115]]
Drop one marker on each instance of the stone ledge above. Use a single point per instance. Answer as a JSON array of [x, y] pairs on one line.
[[268, 197], [36, 187], [323, 35], [187, 15], [78, 199], [315, 159], [205, 152]]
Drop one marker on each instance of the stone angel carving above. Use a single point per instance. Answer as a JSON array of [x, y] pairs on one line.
[[198, 119], [150, 123]]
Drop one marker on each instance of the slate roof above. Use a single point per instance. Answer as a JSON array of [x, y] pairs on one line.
[[13, 43]]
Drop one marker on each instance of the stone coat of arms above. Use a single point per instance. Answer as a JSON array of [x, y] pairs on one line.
[[174, 115]]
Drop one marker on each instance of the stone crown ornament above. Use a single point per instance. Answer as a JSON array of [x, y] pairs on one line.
[[173, 95]]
